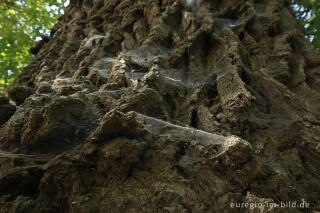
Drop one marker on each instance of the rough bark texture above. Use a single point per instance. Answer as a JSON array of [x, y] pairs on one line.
[[164, 106]]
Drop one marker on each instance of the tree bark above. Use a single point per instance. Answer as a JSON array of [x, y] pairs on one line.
[[166, 106]]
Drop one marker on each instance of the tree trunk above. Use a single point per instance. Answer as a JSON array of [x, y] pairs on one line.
[[165, 106]]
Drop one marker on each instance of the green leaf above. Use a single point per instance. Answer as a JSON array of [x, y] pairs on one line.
[[21, 21], [308, 11]]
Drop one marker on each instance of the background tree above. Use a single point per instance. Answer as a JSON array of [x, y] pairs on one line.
[[308, 11], [22, 23]]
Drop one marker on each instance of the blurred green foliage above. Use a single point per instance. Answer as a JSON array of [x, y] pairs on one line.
[[22, 23], [308, 11]]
